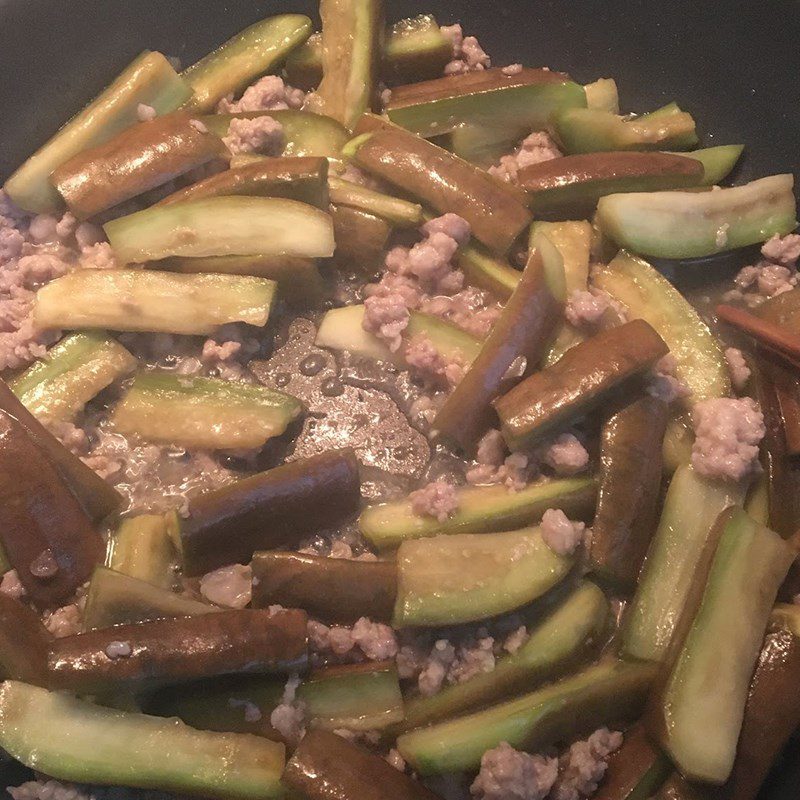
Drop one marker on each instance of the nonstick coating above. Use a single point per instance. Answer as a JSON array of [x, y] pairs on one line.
[[735, 65]]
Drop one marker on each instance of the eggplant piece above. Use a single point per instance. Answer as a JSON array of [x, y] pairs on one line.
[[446, 580], [718, 162], [304, 133], [691, 506], [772, 713], [118, 599], [567, 636], [177, 650], [602, 95], [327, 767], [573, 239], [771, 377], [352, 39], [332, 589], [97, 497], [222, 704], [481, 509], [364, 697], [521, 102], [606, 693], [627, 498], [414, 49], [253, 52], [301, 179], [523, 331], [206, 413], [151, 301], [140, 158], [487, 271], [495, 212], [586, 130], [24, 642], [399, 213], [773, 337], [361, 238], [696, 712], [648, 295], [221, 226], [586, 376], [47, 536], [695, 224], [270, 509], [149, 79], [143, 548], [572, 185], [299, 280], [636, 771], [72, 372], [104, 746], [342, 329], [357, 697]]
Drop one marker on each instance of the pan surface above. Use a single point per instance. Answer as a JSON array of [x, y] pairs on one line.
[[734, 64]]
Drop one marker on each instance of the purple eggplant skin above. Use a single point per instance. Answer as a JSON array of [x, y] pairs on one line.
[[331, 589], [171, 651], [269, 510], [604, 366], [630, 483], [46, 534], [94, 494], [24, 642], [328, 767], [136, 160], [523, 330]]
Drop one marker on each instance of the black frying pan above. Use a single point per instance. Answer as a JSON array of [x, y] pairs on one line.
[[735, 64]]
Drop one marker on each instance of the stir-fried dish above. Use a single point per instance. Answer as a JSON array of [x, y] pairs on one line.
[[374, 425]]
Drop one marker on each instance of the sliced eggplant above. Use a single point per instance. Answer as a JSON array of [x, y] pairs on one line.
[[332, 589], [24, 642], [269, 509]]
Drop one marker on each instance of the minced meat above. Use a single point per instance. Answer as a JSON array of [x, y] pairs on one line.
[[584, 765], [586, 308], [565, 455], [262, 135], [664, 382], [468, 55], [560, 534], [728, 432], [533, 149], [229, 586], [438, 499], [508, 774], [288, 718], [269, 93], [429, 363], [737, 368]]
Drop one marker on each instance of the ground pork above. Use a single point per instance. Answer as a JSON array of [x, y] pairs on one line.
[[97, 256], [11, 586], [728, 432], [446, 663], [422, 356], [257, 135], [565, 455], [508, 774], [386, 316], [145, 113], [468, 55], [451, 225], [252, 713], [664, 382], [560, 534], [516, 639], [64, 621], [782, 249], [374, 640], [584, 764], [438, 499], [470, 309], [288, 718], [396, 760], [512, 69], [56, 790], [492, 466], [269, 93], [229, 586], [586, 308], [737, 367], [534, 149]]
